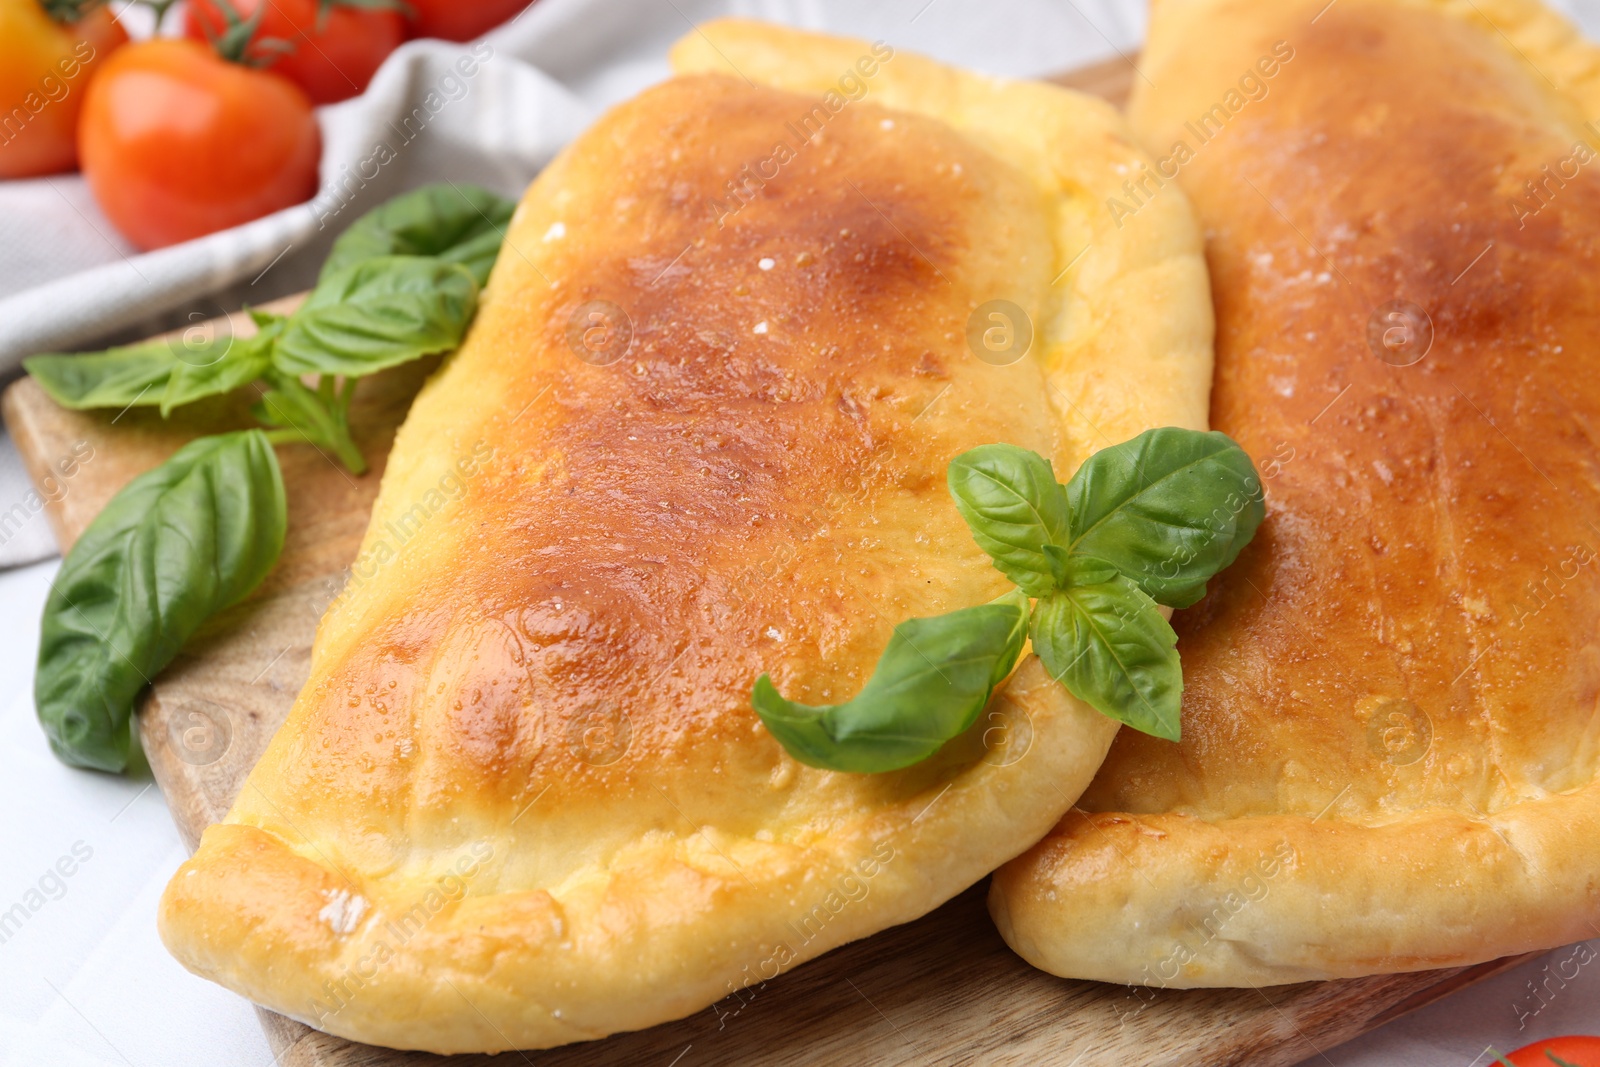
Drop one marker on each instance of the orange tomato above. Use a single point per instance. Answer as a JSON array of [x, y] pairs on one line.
[[460, 20], [333, 48], [45, 66], [1555, 1051], [177, 143]]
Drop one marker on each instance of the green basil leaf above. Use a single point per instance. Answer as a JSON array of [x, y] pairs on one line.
[[135, 375], [235, 365], [174, 547], [1109, 645], [930, 684], [1170, 508], [1015, 508], [454, 223], [378, 314], [1080, 570]]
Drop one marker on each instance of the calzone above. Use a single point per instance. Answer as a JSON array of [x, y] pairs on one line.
[[698, 431], [1391, 715]]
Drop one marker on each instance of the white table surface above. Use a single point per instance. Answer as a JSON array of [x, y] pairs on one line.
[[85, 978]]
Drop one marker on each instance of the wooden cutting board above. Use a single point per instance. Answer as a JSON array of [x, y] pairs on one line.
[[942, 990]]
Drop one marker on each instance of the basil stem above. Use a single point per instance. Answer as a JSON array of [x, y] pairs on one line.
[[177, 545], [319, 417]]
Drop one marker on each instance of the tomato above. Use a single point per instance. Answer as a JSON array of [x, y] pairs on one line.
[[45, 66], [177, 143], [460, 20], [333, 50], [1553, 1051]]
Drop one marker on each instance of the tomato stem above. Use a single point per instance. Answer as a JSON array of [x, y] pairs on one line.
[[68, 12], [237, 43]]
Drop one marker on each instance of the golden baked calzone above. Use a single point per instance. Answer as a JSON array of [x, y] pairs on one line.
[[699, 431], [1390, 723]]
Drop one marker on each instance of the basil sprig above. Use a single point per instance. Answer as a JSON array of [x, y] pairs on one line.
[[402, 283], [1142, 524], [197, 534], [177, 545]]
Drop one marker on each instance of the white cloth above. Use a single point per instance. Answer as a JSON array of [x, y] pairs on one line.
[[87, 981]]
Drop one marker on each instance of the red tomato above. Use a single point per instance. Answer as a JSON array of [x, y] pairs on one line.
[[460, 20], [334, 49], [45, 66], [176, 143], [1551, 1052]]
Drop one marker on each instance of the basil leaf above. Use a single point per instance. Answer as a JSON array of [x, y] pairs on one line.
[[930, 684], [1170, 508], [378, 314], [1015, 509], [1109, 645], [1080, 570], [454, 223], [117, 378], [237, 364], [174, 547]]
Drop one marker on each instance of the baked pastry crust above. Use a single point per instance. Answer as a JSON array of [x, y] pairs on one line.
[[1392, 705], [523, 799]]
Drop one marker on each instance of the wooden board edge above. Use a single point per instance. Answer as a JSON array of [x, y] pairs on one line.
[[27, 438], [1110, 79]]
